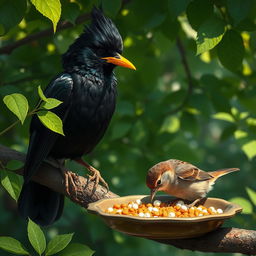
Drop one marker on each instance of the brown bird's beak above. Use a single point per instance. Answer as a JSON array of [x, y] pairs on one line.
[[153, 193], [119, 60]]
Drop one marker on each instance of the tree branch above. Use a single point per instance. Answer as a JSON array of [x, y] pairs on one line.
[[188, 74], [7, 49], [221, 240]]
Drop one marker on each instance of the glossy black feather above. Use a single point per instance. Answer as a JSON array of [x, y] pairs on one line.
[[87, 88]]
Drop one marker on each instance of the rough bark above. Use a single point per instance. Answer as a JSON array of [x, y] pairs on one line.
[[226, 239]]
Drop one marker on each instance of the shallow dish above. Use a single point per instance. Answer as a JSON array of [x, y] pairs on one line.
[[163, 228]]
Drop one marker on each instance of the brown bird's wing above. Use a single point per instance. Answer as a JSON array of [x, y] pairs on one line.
[[219, 173], [187, 171]]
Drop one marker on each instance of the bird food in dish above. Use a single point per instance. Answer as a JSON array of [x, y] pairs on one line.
[[174, 209]]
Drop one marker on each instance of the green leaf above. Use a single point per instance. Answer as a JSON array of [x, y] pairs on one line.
[[12, 182], [14, 165], [51, 121], [171, 124], [50, 9], [209, 34], [198, 11], [51, 103], [41, 93], [77, 250], [70, 11], [231, 50], [11, 13], [250, 149], [177, 7], [224, 116], [239, 9], [252, 195], [12, 245], [112, 7], [36, 237], [244, 203], [58, 243], [120, 130], [18, 104]]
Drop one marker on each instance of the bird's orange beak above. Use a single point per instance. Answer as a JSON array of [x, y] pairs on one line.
[[119, 60], [153, 193]]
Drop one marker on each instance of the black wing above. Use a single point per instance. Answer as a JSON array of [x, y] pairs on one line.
[[41, 138]]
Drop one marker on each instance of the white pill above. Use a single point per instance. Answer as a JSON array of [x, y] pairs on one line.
[[135, 206], [184, 207], [155, 209], [199, 208], [219, 210], [192, 208], [204, 211], [119, 210], [172, 214], [110, 209], [180, 202], [141, 214], [129, 205], [157, 203], [150, 208], [138, 201], [212, 208], [179, 205], [147, 215], [200, 215]]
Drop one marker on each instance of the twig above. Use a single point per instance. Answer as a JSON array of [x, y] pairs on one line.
[[220, 240], [188, 74], [7, 49]]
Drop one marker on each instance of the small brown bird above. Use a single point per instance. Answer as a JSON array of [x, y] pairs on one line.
[[182, 179]]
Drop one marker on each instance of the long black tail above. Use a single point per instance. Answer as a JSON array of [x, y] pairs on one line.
[[40, 204]]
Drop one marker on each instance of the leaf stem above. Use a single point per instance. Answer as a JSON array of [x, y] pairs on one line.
[[9, 127], [32, 112]]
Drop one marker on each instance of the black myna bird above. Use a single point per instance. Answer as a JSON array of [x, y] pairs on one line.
[[87, 88]]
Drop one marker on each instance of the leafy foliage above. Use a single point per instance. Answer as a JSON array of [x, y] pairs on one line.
[[214, 126], [38, 242]]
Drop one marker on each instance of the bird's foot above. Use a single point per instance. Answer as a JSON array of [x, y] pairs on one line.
[[197, 201], [95, 175], [97, 178], [70, 179]]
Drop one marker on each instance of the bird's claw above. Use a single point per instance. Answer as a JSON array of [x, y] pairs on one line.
[[97, 178]]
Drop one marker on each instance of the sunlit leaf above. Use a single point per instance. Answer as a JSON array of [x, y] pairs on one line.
[[224, 116], [36, 237], [244, 203], [77, 250], [252, 195], [41, 93], [209, 34], [250, 149], [12, 245], [12, 182], [58, 243], [18, 104], [50, 9], [51, 103], [51, 121]]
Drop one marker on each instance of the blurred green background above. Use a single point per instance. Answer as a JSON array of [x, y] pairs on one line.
[[208, 119]]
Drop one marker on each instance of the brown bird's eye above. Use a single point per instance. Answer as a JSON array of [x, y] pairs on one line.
[[159, 182]]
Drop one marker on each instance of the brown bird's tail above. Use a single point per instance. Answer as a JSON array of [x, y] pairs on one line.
[[219, 173]]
